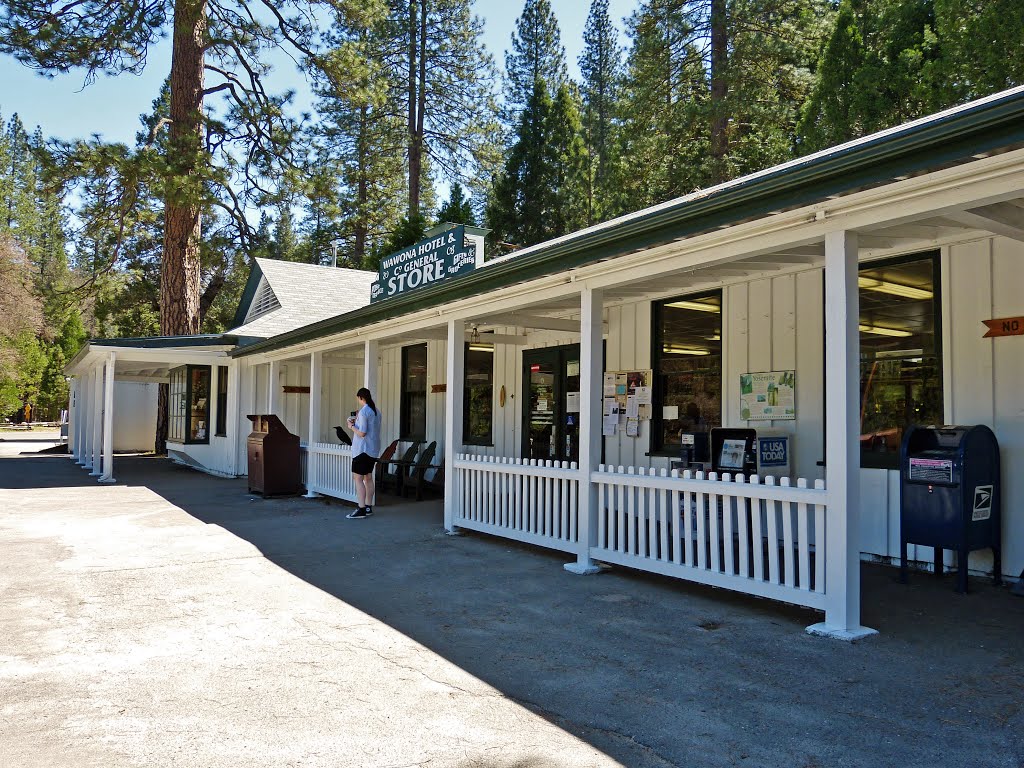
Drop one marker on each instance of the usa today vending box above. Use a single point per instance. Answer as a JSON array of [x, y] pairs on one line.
[[774, 454]]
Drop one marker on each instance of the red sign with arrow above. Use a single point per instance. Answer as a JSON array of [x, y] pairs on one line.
[[1004, 326]]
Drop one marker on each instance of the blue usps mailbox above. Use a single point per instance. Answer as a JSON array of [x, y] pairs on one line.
[[950, 494]]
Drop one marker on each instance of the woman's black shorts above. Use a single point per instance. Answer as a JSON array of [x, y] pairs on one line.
[[363, 464]]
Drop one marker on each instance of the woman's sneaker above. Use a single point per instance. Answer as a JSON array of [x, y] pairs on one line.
[[359, 513]]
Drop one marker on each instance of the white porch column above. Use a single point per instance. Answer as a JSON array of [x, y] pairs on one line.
[[274, 388], [96, 444], [453, 401], [72, 418], [591, 336], [370, 367], [842, 450], [84, 407], [235, 430], [108, 419], [316, 368]]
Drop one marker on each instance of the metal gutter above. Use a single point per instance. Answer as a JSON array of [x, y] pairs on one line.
[[925, 145]]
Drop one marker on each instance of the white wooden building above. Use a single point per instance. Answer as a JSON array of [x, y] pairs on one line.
[[864, 272]]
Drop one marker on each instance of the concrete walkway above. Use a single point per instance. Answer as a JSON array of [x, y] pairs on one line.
[[174, 620]]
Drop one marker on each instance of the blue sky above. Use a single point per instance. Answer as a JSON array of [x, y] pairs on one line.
[[111, 106]]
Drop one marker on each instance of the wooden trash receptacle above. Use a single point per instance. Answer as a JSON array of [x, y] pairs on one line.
[[274, 468]]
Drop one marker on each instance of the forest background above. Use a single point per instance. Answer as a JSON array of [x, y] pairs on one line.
[[409, 107]]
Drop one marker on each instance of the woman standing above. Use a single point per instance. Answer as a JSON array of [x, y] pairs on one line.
[[365, 426]]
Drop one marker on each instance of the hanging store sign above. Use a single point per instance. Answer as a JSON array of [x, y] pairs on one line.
[[1004, 326], [425, 263]]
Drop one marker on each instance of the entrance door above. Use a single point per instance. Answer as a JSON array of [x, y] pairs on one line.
[[551, 380]]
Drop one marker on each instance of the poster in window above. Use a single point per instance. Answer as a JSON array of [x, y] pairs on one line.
[[768, 395]]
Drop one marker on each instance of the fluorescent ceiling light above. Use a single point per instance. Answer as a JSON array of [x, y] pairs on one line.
[[699, 306], [895, 289], [900, 354], [481, 347], [879, 331], [675, 349]]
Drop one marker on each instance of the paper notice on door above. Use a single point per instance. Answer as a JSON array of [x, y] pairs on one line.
[[542, 405], [609, 424], [643, 395], [611, 406], [670, 412], [632, 407], [572, 402], [609, 385], [632, 428]]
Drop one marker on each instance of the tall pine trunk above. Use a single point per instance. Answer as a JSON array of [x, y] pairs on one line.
[[179, 270], [362, 192], [719, 89], [415, 145]]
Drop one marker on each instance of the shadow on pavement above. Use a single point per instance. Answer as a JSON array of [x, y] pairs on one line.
[[651, 671]]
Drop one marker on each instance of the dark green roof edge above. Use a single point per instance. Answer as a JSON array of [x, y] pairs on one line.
[[255, 272], [929, 144], [169, 342]]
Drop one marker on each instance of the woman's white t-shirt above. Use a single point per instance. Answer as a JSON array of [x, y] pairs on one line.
[[368, 421]]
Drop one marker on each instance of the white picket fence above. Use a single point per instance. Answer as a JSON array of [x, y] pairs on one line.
[[328, 470], [530, 500], [746, 535]]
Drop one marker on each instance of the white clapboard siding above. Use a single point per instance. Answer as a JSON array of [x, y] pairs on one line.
[[743, 534], [982, 280]]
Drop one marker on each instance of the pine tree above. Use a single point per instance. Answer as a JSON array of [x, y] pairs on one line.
[[663, 141], [982, 44], [457, 209], [542, 191], [879, 68], [570, 176], [601, 67], [218, 48], [537, 54]]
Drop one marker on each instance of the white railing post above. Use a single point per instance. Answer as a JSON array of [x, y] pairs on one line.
[[108, 419], [316, 366], [455, 378], [591, 336], [842, 456]]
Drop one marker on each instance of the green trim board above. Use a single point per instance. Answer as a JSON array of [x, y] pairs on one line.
[[995, 123], [248, 293]]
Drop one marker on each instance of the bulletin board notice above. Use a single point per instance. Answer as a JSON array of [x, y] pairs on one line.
[[768, 395], [627, 401]]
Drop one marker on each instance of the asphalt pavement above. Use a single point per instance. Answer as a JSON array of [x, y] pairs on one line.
[[173, 619]]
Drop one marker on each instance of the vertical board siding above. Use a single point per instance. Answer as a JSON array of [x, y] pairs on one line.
[[628, 347], [808, 322], [1008, 403]]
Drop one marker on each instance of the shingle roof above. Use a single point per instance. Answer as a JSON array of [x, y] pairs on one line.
[[307, 294]]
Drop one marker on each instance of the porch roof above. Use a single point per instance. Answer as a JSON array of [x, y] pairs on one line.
[[166, 348], [980, 128]]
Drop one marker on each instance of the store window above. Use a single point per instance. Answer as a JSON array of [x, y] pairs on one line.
[[687, 363], [479, 395], [188, 405], [413, 424], [222, 401], [900, 354]]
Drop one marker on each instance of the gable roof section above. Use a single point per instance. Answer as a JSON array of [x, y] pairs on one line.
[[939, 141], [281, 296]]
